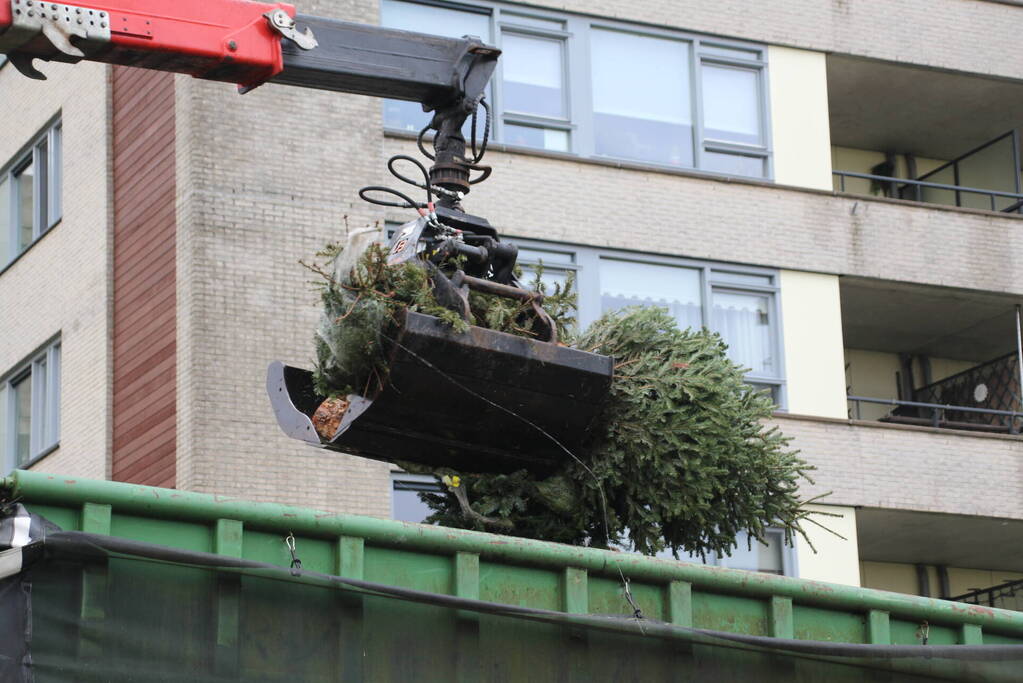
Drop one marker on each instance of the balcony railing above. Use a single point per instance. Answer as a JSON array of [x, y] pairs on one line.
[[1006, 421], [1008, 595], [1015, 198], [996, 161]]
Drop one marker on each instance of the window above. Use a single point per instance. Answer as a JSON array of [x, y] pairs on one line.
[[603, 89], [30, 409], [774, 557], [405, 503], [739, 303], [30, 194]]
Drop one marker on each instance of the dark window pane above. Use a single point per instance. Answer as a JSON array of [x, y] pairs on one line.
[[523, 20], [540, 138], [734, 164], [728, 51], [22, 390], [405, 502], [760, 558], [767, 389], [25, 196], [641, 112], [532, 70], [545, 255]]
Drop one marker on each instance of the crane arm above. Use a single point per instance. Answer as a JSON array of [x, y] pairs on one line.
[[251, 43]]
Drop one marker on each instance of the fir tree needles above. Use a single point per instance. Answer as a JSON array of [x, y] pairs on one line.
[[681, 455], [679, 459]]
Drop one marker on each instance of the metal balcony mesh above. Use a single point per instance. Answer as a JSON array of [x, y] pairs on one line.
[[993, 385]]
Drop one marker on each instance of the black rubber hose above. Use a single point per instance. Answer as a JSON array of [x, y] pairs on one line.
[[409, 202]]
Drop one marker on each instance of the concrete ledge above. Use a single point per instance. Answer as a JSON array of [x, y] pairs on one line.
[[717, 177], [557, 198], [905, 467], [875, 424]]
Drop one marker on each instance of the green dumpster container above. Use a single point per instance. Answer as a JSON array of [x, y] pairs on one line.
[[151, 584]]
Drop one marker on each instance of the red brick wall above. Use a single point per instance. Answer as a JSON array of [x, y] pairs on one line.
[[145, 349]]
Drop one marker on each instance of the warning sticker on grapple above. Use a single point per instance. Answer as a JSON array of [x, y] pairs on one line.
[[405, 241]]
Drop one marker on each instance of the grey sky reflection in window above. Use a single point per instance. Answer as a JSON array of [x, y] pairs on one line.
[[641, 101], [533, 75], [406, 505]]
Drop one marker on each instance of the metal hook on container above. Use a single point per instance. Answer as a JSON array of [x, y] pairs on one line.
[[289, 541]]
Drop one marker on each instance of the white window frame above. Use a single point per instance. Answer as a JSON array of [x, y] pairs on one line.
[[577, 80], [44, 434], [47, 189], [713, 276]]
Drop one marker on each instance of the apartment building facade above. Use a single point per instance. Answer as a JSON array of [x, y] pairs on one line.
[[831, 186]]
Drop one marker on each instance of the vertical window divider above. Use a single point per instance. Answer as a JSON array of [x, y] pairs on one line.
[[696, 80], [497, 80], [55, 176], [708, 297], [52, 427], [37, 429], [580, 86], [12, 219], [8, 446], [765, 116], [40, 198]]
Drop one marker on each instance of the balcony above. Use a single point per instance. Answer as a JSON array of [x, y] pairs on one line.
[[915, 134], [955, 557], [931, 356]]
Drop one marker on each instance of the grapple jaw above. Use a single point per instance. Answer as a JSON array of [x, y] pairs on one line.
[[480, 401]]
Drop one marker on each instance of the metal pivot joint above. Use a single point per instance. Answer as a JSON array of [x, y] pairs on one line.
[[281, 22]]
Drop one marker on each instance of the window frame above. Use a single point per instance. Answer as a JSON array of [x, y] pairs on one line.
[[577, 80], [45, 154], [419, 482], [714, 276], [44, 418]]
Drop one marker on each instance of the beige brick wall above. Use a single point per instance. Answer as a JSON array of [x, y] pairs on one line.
[[911, 468], [62, 283], [964, 35], [264, 180]]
